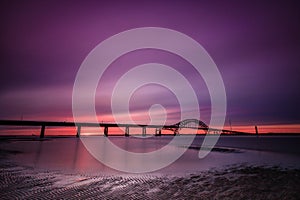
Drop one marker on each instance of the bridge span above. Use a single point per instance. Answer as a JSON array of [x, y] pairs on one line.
[[175, 128]]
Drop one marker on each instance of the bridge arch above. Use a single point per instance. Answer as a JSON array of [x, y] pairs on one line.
[[188, 123]]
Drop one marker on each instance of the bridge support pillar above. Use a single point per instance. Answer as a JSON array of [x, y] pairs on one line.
[[105, 131], [144, 130], [176, 132], [158, 132], [126, 131], [205, 131], [78, 131], [42, 135], [256, 131]]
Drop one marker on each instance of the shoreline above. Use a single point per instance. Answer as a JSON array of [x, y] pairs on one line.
[[234, 182]]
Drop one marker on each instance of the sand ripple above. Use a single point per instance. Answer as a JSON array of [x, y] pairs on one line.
[[242, 182]]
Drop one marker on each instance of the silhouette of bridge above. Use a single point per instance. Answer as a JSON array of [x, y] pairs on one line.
[[175, 128], [187, 123]]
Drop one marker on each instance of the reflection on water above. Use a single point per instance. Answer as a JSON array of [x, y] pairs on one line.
[[70, 154]]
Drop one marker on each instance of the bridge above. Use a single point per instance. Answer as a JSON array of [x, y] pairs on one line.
[[187, 123], [175, 128]]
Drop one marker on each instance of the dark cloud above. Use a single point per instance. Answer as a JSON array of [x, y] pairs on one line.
[[255, 44]]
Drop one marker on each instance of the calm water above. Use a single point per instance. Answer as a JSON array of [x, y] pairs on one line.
[[69, 154]]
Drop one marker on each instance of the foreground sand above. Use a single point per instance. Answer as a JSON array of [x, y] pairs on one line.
[[240, 182], [233, 182]]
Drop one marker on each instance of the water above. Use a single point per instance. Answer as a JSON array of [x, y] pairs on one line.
[[70, 155]]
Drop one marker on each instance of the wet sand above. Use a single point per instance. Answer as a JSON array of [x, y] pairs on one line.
[[240, 181]]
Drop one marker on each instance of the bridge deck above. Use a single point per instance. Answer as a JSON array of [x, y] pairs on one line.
[[43, 124]]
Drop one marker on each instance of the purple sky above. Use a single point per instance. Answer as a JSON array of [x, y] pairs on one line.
[[255, 44]]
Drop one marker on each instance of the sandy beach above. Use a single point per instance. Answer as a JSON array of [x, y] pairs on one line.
[[241, 182], [236, 181]]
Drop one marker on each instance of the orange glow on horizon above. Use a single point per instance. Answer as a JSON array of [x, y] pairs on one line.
[[278, 128]]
